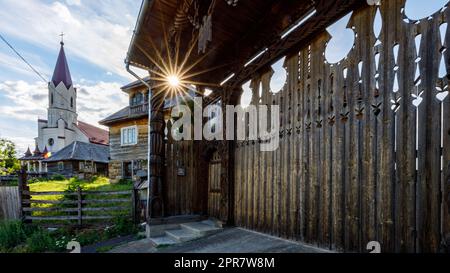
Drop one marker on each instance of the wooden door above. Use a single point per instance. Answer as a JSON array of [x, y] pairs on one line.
[[214, 189]]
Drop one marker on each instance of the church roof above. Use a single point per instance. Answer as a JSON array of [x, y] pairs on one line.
[[28, 152], [62, 73], [82, 151], [36, 151], [95, 134]]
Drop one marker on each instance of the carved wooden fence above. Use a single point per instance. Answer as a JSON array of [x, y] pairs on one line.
[[365, 143]]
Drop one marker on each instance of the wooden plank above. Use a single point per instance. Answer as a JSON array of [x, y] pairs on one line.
[[54, 202], [107, 192], [386, 128], [60, 218], [51, 209], [115, 208], [446, 153], [43, 193], [406, 144], [338, 159], [429, 142], [9, 203], [117, 200], [51, 218]]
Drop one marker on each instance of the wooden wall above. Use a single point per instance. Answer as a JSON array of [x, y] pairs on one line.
[[182, 191], [72, 168], [9, 203], [132, 152], [357, 161], [214, 185]]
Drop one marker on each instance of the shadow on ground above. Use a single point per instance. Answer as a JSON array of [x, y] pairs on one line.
[[231, 240]]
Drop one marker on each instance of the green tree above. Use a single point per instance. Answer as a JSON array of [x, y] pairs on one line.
[[8, 160]]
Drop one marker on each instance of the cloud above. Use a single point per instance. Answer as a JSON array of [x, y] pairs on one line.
[[73, 2], [26, 102], [11, 62], [96, 31]]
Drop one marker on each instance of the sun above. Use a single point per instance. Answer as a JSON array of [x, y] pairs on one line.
[[173, 80]]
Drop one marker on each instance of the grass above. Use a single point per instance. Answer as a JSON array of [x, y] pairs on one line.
[[17, 237], [70, 185]]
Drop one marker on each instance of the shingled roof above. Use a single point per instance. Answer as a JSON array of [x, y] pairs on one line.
[[95, 134], [126, 114], [62, 72], [82, 151]]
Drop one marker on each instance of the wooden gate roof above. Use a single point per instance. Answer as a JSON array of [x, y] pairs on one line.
[[238, 33]]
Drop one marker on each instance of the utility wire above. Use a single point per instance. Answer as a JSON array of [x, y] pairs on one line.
[[32, 68], [23, 59]]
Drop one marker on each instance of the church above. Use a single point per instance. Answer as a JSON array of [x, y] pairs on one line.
[[63, 129]]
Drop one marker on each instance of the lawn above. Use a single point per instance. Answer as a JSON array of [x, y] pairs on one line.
[[70, 185], [96, 184]]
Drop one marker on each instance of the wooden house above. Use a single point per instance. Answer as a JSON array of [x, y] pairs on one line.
[[79, 159], [128, 134], [364, 150]]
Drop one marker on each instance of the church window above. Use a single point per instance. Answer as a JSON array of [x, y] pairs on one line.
[[128, 135], [71, 102], [51, 141], [51, 99]]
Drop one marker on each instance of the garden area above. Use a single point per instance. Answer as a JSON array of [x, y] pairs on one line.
[[53, 236]]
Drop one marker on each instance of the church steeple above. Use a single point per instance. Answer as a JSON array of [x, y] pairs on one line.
[[62, 73]]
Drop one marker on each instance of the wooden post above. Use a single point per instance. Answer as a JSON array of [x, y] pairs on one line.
[[22, 196], [80, 206], [134, 213], [155, 201]]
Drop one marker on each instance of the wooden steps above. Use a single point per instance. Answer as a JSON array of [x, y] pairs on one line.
[[186, 232]]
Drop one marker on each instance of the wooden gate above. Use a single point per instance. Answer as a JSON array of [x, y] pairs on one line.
[[214, 189], [364, 150]]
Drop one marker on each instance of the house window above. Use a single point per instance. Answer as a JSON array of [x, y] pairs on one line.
[[137, 99], [128, 135], [60, 166]]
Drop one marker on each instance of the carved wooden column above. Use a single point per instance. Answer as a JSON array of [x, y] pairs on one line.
[[226, 148], [157, 124]]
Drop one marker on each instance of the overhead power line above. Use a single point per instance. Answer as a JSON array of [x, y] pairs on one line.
[[22, 58], [32, 68]]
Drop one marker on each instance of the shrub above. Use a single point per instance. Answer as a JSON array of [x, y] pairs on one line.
[[12, 233], [41, 241], [124, 181], [121, 226], [58, 177], [89, 237]]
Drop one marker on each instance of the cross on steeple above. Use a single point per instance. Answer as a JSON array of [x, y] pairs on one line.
[[62, 38]]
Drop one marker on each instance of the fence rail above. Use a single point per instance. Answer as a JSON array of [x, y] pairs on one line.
[[79, 205]]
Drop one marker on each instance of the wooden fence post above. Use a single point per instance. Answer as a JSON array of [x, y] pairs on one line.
[[24, 194], [134, 206], [80, 207]]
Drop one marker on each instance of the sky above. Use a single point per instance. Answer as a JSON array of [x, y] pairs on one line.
[[97, 35]]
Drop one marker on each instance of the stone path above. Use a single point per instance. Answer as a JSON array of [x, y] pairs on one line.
[[231, 240]]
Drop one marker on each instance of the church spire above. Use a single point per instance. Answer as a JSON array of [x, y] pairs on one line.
[[62, 73]]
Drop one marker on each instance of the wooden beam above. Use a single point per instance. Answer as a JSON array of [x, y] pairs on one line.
[[327, 12]]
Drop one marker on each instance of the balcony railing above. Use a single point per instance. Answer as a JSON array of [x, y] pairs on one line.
[[139, 109]]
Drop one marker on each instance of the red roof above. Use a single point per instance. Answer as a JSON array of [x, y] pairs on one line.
[[95, 134]]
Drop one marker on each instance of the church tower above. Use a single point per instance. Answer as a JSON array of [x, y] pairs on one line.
[[62, 127], [62, 95]]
